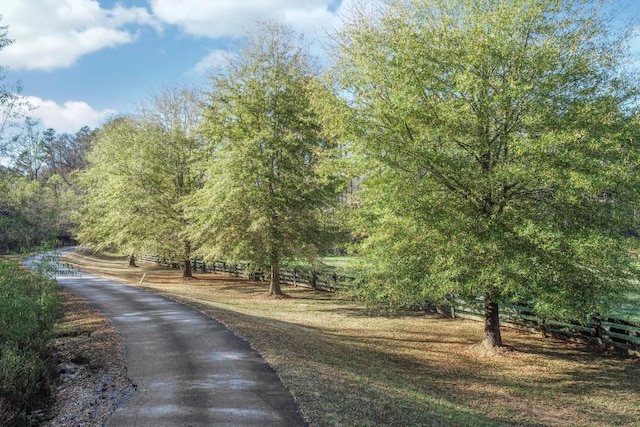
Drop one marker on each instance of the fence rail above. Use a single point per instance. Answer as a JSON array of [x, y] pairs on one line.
[[327, 281], [606, 333]]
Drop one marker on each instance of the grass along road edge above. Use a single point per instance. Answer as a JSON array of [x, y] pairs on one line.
[[347, 365]]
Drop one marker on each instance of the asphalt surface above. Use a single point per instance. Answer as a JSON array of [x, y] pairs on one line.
[[189, 369]]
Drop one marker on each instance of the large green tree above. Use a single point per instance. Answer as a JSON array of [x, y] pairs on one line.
[[498, 161], [141, 168], [266, 195], [112, 213]]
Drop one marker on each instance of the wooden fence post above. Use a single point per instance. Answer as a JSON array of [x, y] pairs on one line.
[[543, 327], [597, 324]]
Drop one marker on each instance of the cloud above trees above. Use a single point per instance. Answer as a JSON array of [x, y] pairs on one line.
[[67, 117], [54, 35], [50, 35], [230, 18]]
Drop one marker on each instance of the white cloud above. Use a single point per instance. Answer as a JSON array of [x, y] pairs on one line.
[[230, 18], [315, 19], [51, 34], [216, 58], [68, 117]]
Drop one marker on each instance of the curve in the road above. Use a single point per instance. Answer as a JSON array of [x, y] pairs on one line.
[[189, 369]]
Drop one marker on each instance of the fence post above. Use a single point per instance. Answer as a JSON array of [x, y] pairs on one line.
[[314, 279], [597, 324], [543, 327], [295, 277], [452, 306]]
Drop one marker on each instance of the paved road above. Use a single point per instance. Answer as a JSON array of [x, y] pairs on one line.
[[189, 369]]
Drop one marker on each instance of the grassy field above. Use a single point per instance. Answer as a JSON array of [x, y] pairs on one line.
[[348, 366], [631, 310]]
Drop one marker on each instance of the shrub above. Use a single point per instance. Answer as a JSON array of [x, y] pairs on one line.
[[29, 308]]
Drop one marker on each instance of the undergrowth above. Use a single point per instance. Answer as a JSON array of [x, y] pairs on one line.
[[29, 308]]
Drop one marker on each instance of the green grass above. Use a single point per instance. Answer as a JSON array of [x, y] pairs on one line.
[[339, 263], [346, 365], [330, 264], [630, 310]]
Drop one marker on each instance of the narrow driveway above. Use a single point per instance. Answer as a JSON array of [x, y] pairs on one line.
[[189, 369]]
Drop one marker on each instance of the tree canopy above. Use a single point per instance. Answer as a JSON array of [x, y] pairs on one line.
[[141, 168], [498, 153], [265, 194]]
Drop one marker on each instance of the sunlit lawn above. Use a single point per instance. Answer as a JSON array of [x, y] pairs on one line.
[[339, 263], [631, 310], [348, 366]]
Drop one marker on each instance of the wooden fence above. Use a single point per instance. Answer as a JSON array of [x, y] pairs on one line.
[[605, 333], [326, 281]]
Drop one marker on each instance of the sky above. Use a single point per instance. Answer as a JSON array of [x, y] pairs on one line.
[[81, 62]]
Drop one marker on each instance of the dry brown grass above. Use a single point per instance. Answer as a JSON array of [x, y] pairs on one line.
[[346, 365]]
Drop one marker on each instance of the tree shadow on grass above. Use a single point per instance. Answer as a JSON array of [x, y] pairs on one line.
[[372, 378]]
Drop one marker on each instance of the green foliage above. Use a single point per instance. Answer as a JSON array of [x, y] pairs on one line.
[[140, 170], [498, 152], [269, 191], [32, 212], [29, 307]]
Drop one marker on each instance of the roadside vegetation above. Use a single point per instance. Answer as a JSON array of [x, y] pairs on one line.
[[348, 365], [29, 309], [477, 150]]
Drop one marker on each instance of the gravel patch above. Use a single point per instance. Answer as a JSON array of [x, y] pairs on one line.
[[92, 377]]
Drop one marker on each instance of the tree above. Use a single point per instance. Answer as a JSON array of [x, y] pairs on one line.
[[175, 113], [34, 207], [496, 154], [111, 215], [31, 149], [67, 153], [12, 105], [31, 212], [265, 196], [141, 169]]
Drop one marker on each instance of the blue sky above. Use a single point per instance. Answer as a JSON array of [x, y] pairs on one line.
[[82, 61]]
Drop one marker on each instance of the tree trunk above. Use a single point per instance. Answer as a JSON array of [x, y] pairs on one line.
[[274, 286], [492, 338], [186, 271], [132, 261]]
